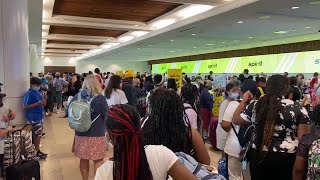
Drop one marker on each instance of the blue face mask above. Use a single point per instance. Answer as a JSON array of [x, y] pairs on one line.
[[234, 95], [36, 88]]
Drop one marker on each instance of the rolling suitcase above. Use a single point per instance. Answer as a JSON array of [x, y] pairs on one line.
[[24, 170], [212, 132]]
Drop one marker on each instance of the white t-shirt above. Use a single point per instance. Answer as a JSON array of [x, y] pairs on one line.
[[117, 97], [232, 147], [160, 160], [221, 134]]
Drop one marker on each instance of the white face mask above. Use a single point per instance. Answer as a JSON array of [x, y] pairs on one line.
[[246, 75]]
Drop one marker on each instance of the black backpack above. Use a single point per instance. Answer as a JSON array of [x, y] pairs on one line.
[[245, 132]]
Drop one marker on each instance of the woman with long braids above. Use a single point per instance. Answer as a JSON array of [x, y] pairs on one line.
[[132, 159], [280, 124], [189, 95], [166, 126]]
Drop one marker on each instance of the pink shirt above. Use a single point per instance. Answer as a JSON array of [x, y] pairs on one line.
[[192, 115]]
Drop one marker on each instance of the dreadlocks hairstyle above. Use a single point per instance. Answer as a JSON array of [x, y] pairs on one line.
[[166, 125], [268, 108], [130, 161], [189, 93]]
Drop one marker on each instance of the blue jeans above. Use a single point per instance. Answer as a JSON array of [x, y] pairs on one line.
[[59, 99]]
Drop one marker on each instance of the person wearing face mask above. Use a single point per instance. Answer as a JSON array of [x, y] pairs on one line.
[[245, 75], [232, 147], [232, 93], [33, 104], [206, 105]]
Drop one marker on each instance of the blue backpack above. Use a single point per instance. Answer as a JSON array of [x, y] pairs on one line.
[[197, 168]]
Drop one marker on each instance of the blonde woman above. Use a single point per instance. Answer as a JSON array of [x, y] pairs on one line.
[[91, 145]]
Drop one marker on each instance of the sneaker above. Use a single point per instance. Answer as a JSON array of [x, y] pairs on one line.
[[47, 114], [43, 134], [39, 157], [41, 153]]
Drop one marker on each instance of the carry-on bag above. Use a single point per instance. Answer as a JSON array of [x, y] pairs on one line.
[[24, 170]]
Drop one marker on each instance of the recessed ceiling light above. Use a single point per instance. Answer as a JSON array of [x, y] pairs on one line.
[[210, 44], [171, 40], [136, 25], [149, 45], [281, 32], [292, 30], [295, 7], [223, 42], [193, 34], [264, 17], [250, 37], [194, 47], [61, 19], [119, 53], [172, 51], [240, 22], [307, 27]]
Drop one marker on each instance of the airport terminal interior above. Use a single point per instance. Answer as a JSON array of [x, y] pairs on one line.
[[159, 89]]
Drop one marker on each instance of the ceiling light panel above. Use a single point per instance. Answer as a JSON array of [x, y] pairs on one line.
[[125, 38], [139, 33], [281, 32], [163, 23], [193, 10]]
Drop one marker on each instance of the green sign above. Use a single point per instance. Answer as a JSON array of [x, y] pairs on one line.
[[299, 62]]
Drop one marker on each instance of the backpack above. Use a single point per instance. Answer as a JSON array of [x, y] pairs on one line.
[[79, 114], [197, 168], [314, 161]]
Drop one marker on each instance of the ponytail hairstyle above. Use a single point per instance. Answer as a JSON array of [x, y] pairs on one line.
[[268, 109], [130, 161]]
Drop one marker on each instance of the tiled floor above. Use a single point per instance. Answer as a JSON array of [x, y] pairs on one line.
[[61, 164]]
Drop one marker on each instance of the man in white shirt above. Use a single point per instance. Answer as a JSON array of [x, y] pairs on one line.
[[233, 148]]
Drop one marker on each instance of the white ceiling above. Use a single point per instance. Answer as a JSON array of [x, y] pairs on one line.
[[223, 32]]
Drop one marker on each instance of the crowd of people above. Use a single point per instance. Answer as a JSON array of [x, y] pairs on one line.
[[266, 126]]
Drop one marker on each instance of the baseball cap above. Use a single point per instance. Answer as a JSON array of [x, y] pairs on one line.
[[249, 85], [129, 74]]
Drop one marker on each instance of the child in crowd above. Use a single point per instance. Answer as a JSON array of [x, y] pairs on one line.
[[33, 104]]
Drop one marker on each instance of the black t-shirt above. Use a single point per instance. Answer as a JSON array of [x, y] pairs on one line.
[[297, 94]]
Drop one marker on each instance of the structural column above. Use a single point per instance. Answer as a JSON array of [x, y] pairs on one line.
[[14, 53]]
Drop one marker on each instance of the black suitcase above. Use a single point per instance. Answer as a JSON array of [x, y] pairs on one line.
[[24, 170]]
